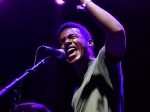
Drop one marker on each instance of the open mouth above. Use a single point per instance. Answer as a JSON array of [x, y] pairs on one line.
[[71, 51]]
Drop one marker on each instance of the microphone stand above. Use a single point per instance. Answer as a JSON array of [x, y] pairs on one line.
[[33, 69], [13, 101]]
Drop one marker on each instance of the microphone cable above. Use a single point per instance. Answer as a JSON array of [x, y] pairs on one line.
[[35, 58]]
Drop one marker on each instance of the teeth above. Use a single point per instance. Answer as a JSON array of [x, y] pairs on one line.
[[70, 49]]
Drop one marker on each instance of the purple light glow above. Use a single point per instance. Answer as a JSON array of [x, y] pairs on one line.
[[60, 2]]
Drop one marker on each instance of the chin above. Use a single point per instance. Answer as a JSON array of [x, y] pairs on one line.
[[74, 61]]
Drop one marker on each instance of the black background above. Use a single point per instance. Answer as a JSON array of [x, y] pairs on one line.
[[27, 24]]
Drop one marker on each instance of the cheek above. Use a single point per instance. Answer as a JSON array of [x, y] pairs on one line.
[[62, 47], [83, 48], [83, 44]]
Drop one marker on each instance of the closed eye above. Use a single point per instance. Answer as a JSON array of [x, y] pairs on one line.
[[70, 37], [62, 41], [73, 36]]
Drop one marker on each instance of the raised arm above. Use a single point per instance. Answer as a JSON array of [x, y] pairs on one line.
[[115, 42]]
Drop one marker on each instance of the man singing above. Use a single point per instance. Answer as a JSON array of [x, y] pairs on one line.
[[100, 88]]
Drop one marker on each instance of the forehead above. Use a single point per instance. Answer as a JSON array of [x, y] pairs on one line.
[[68, 31]]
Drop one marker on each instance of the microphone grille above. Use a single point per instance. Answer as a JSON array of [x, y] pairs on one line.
[[62, 55]]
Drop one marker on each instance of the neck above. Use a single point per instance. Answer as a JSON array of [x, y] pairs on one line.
[[81, 66]]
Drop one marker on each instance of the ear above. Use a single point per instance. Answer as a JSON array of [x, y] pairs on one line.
[[90, 43]]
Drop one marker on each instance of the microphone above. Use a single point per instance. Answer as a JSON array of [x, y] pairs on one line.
[[60, 53]]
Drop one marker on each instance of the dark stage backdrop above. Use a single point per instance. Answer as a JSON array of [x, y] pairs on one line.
[[27, 24]]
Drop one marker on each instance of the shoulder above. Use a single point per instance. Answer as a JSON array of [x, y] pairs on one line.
[[103, 58]]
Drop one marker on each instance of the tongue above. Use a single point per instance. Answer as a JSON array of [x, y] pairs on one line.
[[72, 53]]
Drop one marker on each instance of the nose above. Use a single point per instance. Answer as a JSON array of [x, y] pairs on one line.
[[68, 42]]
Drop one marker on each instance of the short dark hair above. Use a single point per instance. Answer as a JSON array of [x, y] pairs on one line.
[[83, 30]]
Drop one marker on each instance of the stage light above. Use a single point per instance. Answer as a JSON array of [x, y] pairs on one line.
[[60, 2]]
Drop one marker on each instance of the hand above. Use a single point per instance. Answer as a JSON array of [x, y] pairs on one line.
[[31, 107]]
